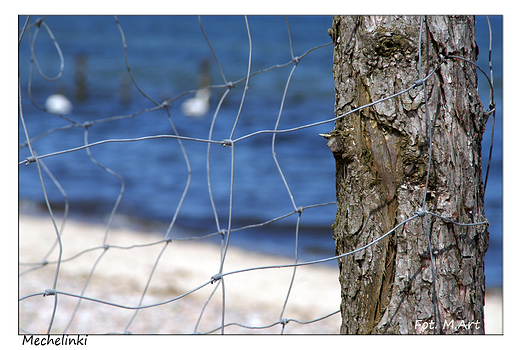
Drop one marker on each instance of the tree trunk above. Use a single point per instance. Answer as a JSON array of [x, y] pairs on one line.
[[382, 155]]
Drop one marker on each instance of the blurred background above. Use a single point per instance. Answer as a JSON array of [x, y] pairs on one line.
[[169, 55]]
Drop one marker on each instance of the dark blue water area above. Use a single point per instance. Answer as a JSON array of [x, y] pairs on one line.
[[164, 53]]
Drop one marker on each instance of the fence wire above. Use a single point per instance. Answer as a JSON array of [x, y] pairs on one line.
[[216, 284]]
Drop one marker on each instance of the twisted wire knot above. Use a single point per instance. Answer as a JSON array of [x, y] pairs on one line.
[[216, 277], [49, 292]]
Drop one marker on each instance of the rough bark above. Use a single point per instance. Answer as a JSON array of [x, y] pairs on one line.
[[381, 155]]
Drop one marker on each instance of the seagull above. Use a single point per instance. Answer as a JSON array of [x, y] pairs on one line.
[[58, 104], [199, 105]]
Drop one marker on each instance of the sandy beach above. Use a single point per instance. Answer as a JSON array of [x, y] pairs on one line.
[[120, 274]]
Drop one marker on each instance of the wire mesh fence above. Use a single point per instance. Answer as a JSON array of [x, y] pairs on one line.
[[95, 278]]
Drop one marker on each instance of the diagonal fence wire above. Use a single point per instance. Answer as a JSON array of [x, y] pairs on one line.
[[232, 142]]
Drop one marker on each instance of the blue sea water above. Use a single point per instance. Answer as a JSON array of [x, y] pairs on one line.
[[164, 53]]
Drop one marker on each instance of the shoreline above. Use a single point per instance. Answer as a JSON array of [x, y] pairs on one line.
[[275, 245], [253, 298]]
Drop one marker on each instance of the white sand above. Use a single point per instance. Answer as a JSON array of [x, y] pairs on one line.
[[254, 298]]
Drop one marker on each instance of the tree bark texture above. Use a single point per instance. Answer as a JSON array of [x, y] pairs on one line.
[[382, 154]]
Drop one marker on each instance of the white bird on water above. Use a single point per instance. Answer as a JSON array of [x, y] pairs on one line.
[[58, 104], [199, 105]]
